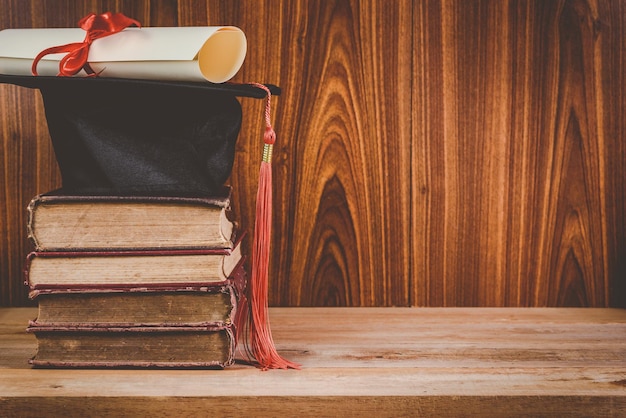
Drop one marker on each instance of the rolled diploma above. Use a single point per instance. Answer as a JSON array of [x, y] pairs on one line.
[[195, 53]]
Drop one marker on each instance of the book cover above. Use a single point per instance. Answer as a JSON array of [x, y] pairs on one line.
[[58, 221]]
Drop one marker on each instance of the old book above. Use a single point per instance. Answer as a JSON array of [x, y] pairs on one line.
[[62, 222], [174, 347], [93, 269], [151, 305]]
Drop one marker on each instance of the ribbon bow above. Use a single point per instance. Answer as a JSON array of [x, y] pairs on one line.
[[96, 26]]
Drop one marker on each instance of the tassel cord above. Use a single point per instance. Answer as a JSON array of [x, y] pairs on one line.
[[262, 344]]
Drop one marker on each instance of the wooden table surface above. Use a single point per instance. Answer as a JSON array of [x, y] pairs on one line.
[[358, 361]]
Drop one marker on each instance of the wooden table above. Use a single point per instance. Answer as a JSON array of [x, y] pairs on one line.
[[358, 361]]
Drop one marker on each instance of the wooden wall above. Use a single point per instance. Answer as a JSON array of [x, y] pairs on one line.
[[430, 153]]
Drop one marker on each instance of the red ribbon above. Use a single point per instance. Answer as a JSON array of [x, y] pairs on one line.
[[96, 26]]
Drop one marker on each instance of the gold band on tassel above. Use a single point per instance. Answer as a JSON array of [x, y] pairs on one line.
[[267, 153]]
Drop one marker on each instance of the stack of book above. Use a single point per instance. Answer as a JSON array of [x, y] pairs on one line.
[[126, 281]]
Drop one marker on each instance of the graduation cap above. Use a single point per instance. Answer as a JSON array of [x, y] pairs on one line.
[[163, 136], [133, 137]]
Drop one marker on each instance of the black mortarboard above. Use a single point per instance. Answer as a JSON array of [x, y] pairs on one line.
[[123, 136]]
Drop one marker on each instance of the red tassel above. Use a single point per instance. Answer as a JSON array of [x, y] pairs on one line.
[[261, 341]]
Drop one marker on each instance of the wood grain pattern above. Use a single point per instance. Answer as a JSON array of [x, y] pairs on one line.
[[342, 163], [432, 153], [516, 172], [357, 361]]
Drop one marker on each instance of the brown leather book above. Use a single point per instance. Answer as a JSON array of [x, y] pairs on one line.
[[149, 347]]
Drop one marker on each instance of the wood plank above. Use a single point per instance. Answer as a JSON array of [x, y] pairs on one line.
[[394, 361], [514, 201], [432, 153]]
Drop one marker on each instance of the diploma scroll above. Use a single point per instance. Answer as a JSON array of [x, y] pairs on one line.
[[213, 53]]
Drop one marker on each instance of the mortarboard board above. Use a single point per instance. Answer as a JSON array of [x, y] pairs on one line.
[[139, 136]]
